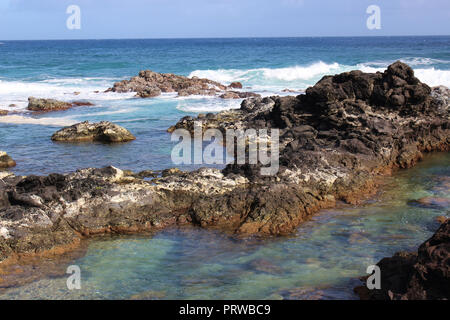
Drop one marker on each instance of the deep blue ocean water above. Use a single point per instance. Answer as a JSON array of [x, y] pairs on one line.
[[322, 260]]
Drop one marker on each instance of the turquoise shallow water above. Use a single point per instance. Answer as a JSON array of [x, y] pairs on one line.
[[322, 260]]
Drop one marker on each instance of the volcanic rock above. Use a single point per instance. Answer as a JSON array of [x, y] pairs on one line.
[[104, 131], [235, 85], [150, 84], [335, 141], [47, 105], [6, 161]]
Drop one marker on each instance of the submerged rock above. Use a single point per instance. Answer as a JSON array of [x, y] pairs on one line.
[[150, 84], [6, 161], [419, 275], [235, 85], [266, 266], [433, 202], [104, 131], [82, 104], [149, 295]]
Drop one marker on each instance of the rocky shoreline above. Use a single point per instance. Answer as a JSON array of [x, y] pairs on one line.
[[48, 105], [335, 141], [149, 84], [421, 275]]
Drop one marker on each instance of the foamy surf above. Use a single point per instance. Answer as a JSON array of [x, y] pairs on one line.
[[300, 78], [265, 81], [54, 122], [17, 92]]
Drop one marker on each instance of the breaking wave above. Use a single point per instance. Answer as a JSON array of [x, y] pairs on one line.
[[300, 77], [65, 89]]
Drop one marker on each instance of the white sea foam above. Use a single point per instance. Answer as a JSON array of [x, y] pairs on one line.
[[210, 105], [301, 73], [105, 113], [18, 119], [267, 74], [66, 89], [434, 77], [265, 81], [431, 76], [412, 61]]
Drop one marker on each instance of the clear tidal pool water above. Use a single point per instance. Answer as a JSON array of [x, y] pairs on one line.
[[322, 260]]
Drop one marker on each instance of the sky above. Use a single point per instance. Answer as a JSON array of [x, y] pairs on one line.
[[115, 19]]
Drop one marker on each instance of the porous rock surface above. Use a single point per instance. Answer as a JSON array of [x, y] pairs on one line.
[[47, 105], [149, 84]]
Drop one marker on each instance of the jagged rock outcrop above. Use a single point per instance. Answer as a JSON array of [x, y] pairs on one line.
[[420, 275], [370, 120], [334, 141], [103, 131], [441, 94], [3, 112], [236, 85], [47, 105], [150, 84], [5, 160]]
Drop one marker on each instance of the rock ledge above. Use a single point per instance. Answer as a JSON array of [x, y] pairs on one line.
[[104, 131]]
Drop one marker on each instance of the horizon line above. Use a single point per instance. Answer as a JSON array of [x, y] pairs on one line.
[[243, 37]]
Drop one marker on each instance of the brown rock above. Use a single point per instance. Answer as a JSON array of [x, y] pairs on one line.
[[82, 103], [6, 161], [46, 105], [441, 219], [102, 131], [235, 85], [433, 202], [230, 95]]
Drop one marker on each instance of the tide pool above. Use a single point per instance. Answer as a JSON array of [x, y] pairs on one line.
[[322, 260]]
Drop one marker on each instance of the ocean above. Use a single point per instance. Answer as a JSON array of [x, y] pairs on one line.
[[326, 255]]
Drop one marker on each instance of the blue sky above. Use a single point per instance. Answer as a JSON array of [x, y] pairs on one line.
[[46, 19]]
